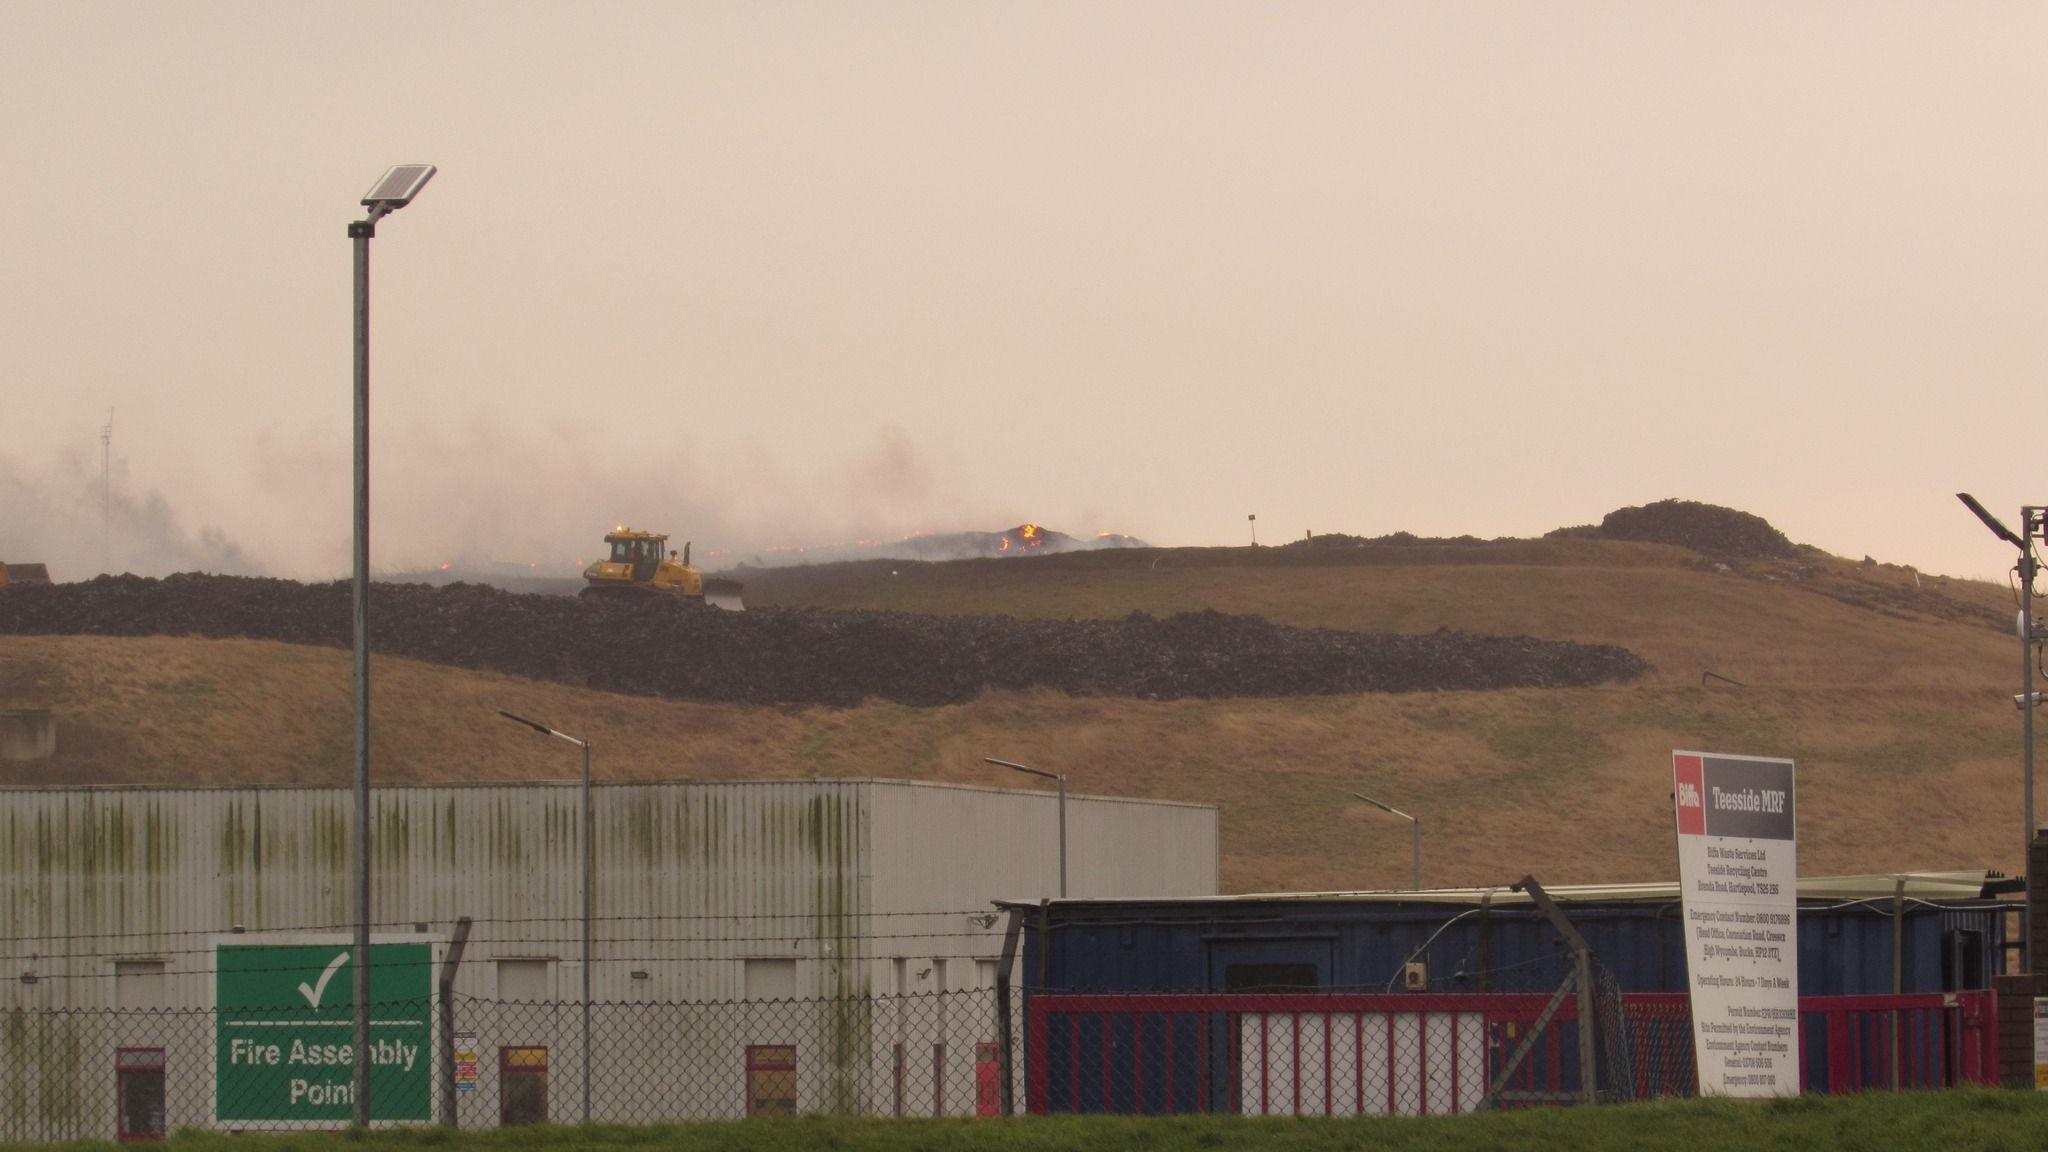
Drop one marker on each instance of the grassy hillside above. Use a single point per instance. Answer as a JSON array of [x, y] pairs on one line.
[[1892, 691]]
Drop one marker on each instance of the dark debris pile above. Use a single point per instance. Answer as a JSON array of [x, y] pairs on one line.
[[809, 655], [1708, 529]]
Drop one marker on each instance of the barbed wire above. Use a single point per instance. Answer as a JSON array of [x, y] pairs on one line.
[[377, 965], [1874, 905], [238, 941], [409, 922], [313, 1016]]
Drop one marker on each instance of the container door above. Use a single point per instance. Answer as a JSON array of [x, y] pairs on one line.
[[771, 1080], [139, 1093], [1251, 967], [523, 1085]]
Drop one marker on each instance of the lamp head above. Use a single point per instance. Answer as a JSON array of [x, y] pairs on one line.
[[396, 188], [1997, 526]]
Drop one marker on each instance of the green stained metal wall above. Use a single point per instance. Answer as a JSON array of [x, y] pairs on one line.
[[96, 875]]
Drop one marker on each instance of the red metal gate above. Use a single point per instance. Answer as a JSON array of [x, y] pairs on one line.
[[1348, 1054]]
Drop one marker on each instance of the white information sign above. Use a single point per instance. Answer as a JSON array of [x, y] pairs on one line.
[[1738, 873], [2041, 1045]]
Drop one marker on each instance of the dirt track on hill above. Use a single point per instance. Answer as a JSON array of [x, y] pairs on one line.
[[814, 656]]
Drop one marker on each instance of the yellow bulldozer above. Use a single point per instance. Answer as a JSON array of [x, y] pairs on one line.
[[641, 564]]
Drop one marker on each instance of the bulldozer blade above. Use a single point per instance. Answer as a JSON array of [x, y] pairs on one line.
[[723, 593]]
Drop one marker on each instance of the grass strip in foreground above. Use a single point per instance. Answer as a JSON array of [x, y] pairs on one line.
[[1970, 1119]]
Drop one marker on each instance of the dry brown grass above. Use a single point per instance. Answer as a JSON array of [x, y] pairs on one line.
[[1903, 728]]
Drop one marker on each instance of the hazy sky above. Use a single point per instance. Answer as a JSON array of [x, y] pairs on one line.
[[763, 274]]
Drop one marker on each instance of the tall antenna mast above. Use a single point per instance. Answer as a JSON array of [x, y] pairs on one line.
[[107, 494]]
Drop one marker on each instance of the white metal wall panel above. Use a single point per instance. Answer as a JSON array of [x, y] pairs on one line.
[[949, 846], [692, 880], [695, 875]]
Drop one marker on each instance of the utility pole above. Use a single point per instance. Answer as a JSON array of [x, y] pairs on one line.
[[107, 494], [2033, 526], [589, 866], [1061, 779]]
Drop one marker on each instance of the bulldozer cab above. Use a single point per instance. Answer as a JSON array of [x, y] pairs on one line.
[[643, 554]]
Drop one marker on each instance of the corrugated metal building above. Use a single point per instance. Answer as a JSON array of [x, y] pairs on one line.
[[1103, 1019], [1479, 940], [748, 892]]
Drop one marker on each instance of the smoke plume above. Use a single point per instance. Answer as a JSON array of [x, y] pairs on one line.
[[63, 517]]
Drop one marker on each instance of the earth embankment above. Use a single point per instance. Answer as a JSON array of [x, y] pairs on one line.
[[816, 656]]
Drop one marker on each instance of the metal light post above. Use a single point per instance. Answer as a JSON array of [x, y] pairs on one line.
[[394, 190], [1415, 836], [1062, 779], [2031, 528], [589, 853]]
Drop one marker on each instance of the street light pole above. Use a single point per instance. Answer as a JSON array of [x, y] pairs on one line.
[[1414, 837], [1061, 778], [360, 232], [2027, 571], [393, 191], [589, 855], [589, 858], [2031, 528]]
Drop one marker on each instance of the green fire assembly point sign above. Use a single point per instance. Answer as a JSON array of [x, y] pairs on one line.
[[283, 1031]]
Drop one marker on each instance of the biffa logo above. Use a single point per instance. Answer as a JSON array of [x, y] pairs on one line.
[[1686, 787]]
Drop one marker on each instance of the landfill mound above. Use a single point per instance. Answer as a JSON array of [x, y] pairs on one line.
[[1708, 529], [1347, 540], [810, 655]]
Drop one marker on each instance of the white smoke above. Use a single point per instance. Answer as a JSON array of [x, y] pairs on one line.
[[61, 516]]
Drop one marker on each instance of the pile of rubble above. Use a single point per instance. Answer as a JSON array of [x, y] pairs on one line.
[[1708, 529], [1400, 539], [813, 656]]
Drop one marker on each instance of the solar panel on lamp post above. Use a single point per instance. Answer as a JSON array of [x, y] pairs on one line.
[[1061, 778], [2030, 525], [589, 854], [1414, 837], [392, 191]]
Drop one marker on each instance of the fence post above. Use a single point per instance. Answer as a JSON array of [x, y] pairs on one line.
[[1898, 966], [1004, 1039], [1582, 970], [1589, 1029], [1485, 936], [449, 964]]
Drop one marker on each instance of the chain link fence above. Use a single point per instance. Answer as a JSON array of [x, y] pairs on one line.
[[68, 1074], [1319, 1054], [129, 1074]]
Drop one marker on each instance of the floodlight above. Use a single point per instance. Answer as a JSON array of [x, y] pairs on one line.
[[1997, 527], [396, 188]]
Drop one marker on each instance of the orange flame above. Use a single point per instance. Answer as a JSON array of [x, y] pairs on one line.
[[1030, 530], [1004, 546]]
